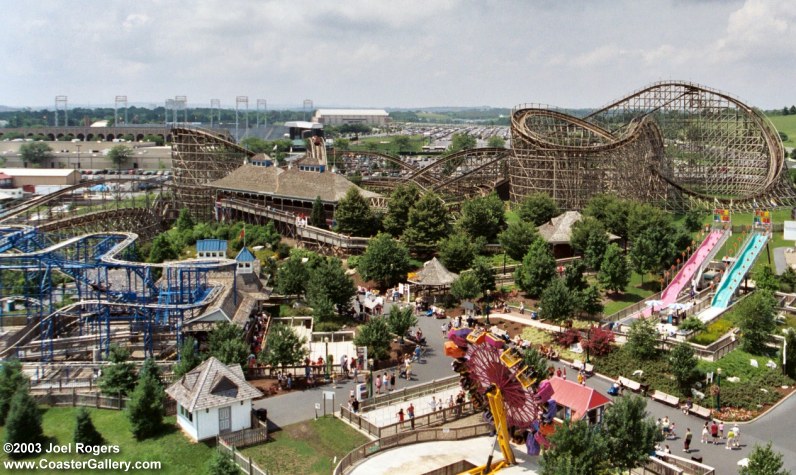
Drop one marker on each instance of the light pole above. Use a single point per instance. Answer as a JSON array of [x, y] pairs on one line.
[[78, 154], [326, 352], [488, 293], [588, 336], [718, 389]]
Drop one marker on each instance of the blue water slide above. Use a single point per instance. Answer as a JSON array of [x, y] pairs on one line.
[[733, 277]]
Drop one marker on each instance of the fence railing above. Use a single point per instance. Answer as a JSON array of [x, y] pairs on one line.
[[245, 437], [404, 394], [243, 462], [437, 417], [408, 438], [76, 399]]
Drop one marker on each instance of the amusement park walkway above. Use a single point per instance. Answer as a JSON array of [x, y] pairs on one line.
[[775, 425]]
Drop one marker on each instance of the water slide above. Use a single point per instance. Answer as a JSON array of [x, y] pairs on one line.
[[733, 277], [689, 270]]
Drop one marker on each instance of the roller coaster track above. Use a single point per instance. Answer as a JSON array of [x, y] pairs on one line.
[[678, 144]]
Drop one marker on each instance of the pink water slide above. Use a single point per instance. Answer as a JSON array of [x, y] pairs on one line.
[[687, 273]]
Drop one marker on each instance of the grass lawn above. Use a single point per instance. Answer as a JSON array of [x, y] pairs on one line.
[[634, 292], [306, 447], [176, 453], [787, 125]]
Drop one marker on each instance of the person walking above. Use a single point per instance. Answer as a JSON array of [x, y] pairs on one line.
[[687, 441], [385, 381], [432, 405], [378, 384], [721, 429], [355, 370], [705, 434], [410, 411], [737, 438], [730, 440], [401, 417], [392, 380], [714, 432]]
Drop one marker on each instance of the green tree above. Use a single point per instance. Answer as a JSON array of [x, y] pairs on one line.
[[151, 368], [185, 222], [592, 302], [353, 214], [766, 279], [402, 143], [790, 354], [162, 250], [693, 323], [614, 274], [611, 211], [574, 276], [375, 335], [400, 320], [496, 141], [538, 209], [693, 220], [483, 217], [788, 278], [284, 347], [763, 460], [482, 270], [426, 225], [582, 232], [145, 409], [682, 364], [466, 286], [23, 424], [558, 303], [35, 152], [402, 199], [189, 358], [118, 378], [533, 359], [11, 379], [458, 251], [461, 141], [85, 432], [292, 276], [517, 238], [226, 343], [537, 270], [385, 261], [629, 432], [120, 154], [756, 320], [644, 255], [222, 464], [642, 339], [342, 144], [318, 214], [330, 280], [576, 449]]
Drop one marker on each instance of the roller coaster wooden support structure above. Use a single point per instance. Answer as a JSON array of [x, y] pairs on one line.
[[675, 144]]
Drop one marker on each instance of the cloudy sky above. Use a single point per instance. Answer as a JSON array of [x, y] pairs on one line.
[[392, 53]]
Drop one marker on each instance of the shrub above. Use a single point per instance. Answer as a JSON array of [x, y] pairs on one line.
[[600, 342], [568, 338]]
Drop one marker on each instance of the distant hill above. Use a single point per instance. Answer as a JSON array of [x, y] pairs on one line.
[[8, 109]]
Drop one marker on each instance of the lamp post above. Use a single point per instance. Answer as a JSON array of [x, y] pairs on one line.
[[718, 389], [588, 336], [488, 293], [326, 352], [78, 154]]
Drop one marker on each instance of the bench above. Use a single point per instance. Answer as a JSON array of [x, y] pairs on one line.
[[700, 411], [630, 384], [665, 398]]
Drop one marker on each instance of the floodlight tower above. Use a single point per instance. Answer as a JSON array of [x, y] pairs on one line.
[[123, 101], [61, 104], [262, 109], [241, 101], [307, 106], [215, 105], [182, 104]]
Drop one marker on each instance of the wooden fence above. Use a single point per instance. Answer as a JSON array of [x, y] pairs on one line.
[[245, 437], [408, 438], [243, 462], [432, 387], [76, 399], [437, 417]]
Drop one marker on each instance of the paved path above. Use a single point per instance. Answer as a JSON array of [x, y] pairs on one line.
[[776, 425]]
